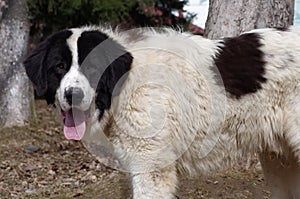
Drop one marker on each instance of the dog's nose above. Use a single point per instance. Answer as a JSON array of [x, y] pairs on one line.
[[74, 95]]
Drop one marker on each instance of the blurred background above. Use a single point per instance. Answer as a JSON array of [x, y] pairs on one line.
[[49, 16], [297, 13], [200, 8], [190, 15]]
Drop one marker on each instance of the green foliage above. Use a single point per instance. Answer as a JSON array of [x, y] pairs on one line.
[[59, 14], [160, 13], [174, 4], [69, 13]]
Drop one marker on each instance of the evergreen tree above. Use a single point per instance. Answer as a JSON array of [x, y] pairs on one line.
[[160, 13], [53, 15], [60, 14]]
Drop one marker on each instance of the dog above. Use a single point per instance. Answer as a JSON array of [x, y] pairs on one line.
[[168, 102]]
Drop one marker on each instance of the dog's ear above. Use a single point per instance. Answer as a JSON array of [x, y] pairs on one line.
[[36, 69], [112, 80], [117, 73], [105, 63]]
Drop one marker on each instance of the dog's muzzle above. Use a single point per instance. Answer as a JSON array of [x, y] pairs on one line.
[[74, 119], [74, 96]]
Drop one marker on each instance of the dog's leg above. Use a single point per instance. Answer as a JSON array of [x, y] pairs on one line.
[[160, 184], [282, 174]]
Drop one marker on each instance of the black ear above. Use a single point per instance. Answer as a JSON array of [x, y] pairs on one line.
[[36, 69], [112, 80], [117, 73], [105, 63]]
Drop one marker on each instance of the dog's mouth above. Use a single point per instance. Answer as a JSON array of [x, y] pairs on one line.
[[75, 123]]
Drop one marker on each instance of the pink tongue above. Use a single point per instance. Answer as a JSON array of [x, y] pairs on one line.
[[74, 127]]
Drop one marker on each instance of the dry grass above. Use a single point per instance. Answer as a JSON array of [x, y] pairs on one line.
[[37, 162]]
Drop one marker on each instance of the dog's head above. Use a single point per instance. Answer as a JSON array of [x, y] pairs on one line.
[[74, 67]]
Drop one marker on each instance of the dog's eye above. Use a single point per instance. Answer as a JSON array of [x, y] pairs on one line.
[[61, 66]]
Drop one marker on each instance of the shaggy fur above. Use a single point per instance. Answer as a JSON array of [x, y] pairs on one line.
[[171, 102]]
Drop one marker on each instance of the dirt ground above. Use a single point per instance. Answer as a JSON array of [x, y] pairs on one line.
[[37, 162]]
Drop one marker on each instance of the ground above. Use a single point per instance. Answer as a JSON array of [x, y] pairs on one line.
[[37, 162]]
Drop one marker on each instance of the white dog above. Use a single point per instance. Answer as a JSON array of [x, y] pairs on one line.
[[171, 102]]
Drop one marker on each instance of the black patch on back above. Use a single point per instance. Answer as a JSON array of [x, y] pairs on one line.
[[104, 64], [241, 64], [41, 65]]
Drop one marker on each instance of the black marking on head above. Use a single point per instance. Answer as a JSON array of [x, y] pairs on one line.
[[48, 63], [87, 41], [241, 64], [104, 64]]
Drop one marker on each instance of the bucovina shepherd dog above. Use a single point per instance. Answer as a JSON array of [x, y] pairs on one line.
[[170, 102]]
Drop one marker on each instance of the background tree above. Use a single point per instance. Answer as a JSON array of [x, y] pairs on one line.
[[15, 96], [230, 18], [160, 13], [59, 14], [50, 16]]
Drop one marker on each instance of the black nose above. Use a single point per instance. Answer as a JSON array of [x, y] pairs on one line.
[[74, 95]]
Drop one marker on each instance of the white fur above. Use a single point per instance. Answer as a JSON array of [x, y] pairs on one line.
[[171, 115], [74, 78]]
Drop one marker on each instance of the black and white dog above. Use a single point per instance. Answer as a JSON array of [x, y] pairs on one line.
[[171, 102]]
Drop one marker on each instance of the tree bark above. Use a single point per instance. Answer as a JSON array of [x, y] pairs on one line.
[[230, 18], [15, 92]]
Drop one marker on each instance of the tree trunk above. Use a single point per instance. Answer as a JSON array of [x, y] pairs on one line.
[[15, 92], [230, 18]]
